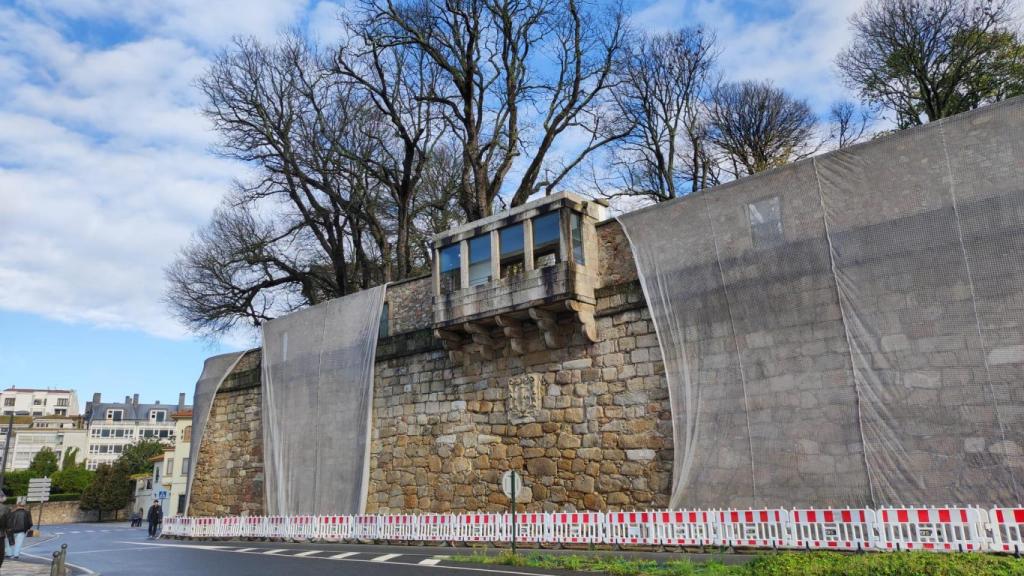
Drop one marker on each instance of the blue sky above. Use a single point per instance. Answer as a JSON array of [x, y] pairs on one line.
[[105, 164]]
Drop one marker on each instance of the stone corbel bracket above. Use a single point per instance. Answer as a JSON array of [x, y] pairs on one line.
[[585, 314]]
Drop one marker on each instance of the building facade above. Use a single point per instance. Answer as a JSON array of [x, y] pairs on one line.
[[39, 402], [59, 434], [114, 425]]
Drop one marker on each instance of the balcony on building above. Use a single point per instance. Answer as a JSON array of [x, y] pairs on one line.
[[533, 264]]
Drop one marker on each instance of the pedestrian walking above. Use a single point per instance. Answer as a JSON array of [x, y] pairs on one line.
[[137, 519], [155, 516], [19, 522], [4, 512]]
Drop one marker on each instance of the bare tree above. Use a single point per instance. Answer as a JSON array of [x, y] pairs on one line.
[[666, 82], [515, 76], [337, 143], [848, 124], [757, 126], [928, 59]]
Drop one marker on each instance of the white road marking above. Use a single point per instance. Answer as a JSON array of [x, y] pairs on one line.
[[430, 561], [309, 553], [343, 555], [276, 551], [384, 558], [246, 549]]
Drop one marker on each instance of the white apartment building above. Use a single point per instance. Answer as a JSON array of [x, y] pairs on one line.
[[168, 481], [112, 426], [56, 433], [39, 402]]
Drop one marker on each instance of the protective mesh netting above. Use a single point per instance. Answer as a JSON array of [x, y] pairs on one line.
[[867, 351], [317, 397], [215, 370]]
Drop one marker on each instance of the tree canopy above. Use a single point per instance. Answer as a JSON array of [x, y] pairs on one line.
[[928, 59], [44, 463]]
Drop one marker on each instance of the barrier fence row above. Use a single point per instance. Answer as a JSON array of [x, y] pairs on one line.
[[940, 529]]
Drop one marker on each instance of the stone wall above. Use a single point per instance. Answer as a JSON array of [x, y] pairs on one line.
[[597, 435], [229, 474], [66, 513]]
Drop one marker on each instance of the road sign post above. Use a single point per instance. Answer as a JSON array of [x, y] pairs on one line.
[[512, 482], [39, 491]]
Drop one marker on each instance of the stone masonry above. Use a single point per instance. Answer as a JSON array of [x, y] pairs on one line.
[[229, 474]]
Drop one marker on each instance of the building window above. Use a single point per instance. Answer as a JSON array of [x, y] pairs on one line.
[[451, 271], [576, 233], [115, 415], [546, 236], [37, 413], [480, 260], [186, 434], [510, 241], [158, 415], [165, 433], [9, 401], [37, 402], [185, 466], [169, 468], [766, 222], [181, 504], [60, 411], [62, 401]]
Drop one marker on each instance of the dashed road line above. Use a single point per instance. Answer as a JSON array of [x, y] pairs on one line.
[[343, 555], [275, 551], [309, 553], [430, 562], [385, 558]]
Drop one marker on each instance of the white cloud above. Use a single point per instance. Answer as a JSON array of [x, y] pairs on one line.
[[794, 45], [105, 169]]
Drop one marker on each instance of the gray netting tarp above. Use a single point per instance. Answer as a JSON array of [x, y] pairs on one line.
[[317, 397], [215, 370], [871, 352]]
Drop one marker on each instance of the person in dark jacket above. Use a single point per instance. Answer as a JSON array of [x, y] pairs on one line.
[[4, 511], [19, 522], [155, 516]]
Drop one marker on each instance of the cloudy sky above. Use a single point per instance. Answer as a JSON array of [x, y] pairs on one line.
[[105, 163]]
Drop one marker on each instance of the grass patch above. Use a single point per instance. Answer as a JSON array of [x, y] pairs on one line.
[[603, 564], [782, 564]]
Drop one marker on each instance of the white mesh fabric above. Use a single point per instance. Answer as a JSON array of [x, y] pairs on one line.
[[317, 396], [215, 370], [874, 354]]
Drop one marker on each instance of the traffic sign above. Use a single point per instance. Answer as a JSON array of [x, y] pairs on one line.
[[38, 490], [507, 481], [162, 495]]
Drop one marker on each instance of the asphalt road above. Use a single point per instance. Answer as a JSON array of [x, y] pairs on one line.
[[116, 549]]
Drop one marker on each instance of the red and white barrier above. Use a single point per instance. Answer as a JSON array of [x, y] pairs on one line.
[[942, 529], [833, 529], [533, 527], [752, 528], [481, 527], [939, 529], [1007, 529], [629, 528], [438, 527], [577, 527], [682, 527], [335, 528]]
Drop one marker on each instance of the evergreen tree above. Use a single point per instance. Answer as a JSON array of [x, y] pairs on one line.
[[44, 463]]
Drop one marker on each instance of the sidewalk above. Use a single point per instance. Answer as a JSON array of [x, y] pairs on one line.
[[25, 567]]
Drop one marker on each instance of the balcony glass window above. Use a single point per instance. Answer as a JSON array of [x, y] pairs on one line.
[[480, 260], [450, 264], [576, 231], [510, 241], [546, 234]]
